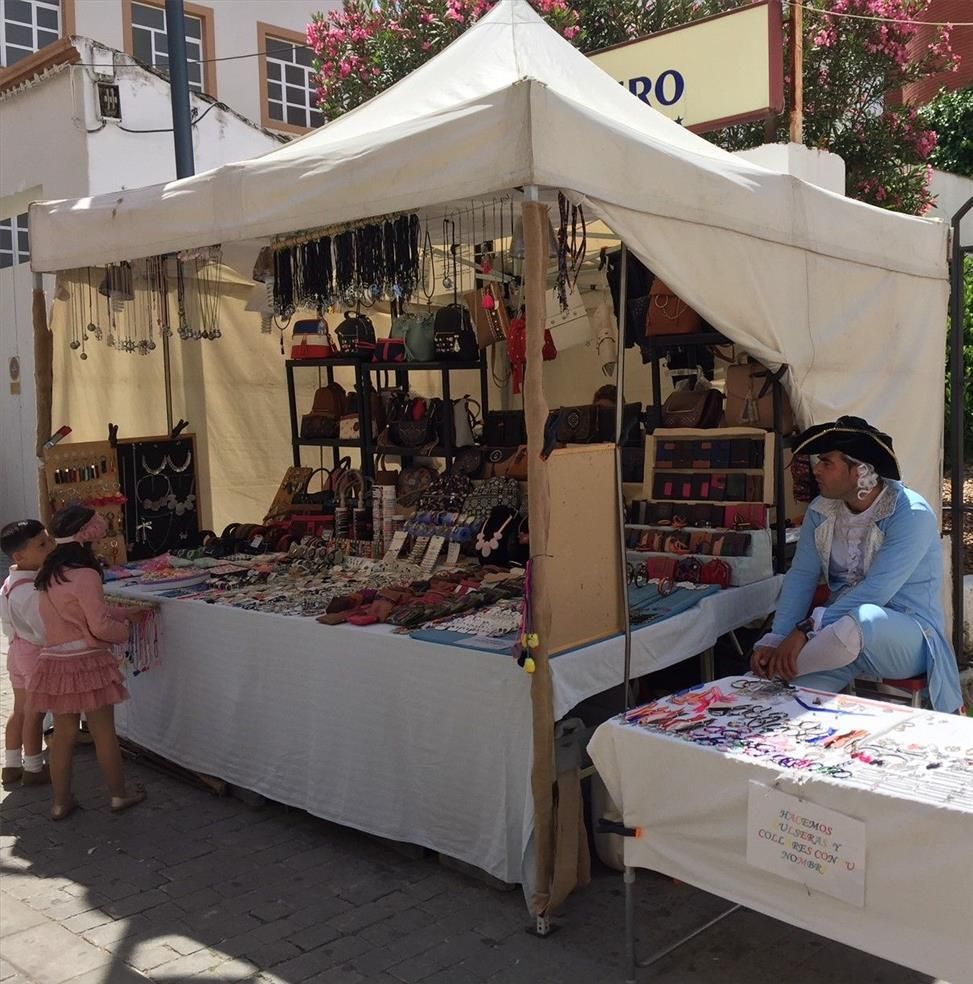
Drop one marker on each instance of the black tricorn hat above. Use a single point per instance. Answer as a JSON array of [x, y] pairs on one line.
[[854, 437]]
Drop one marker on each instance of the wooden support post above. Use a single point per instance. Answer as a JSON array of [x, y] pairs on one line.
[[797, 73]]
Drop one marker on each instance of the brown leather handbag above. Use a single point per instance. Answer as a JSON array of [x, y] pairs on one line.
[[693, 408], [750, 397], [329, 406], [668, 314]]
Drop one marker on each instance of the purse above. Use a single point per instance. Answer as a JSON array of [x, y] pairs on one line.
[[695, 408], [416, 331], [321, 501], [660, 568], [750, 397], [504, 429], [668, 314], [571, 326], [383, 475], [508, 463], [454, 336], [716, 572], [468, 461], [412, 480], [464, 420], [419, 424], [349, 428], [390, 350], [576, 425], [356, 336], [495, 491], [631, 418], [489, 314], [330, 403], [311, 339], [689, 569]]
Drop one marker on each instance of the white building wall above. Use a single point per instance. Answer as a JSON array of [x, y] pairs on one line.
[[234, 33]]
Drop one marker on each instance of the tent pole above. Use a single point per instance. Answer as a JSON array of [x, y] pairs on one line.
[[619, 416], [957, 374], [536, 239], [797, 72], [182, 134]]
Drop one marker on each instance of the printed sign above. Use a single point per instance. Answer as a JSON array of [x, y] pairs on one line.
[[822, 849], [708, 74]]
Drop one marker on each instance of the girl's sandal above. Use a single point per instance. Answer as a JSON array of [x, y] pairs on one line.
[[122, 803], [63, 812]]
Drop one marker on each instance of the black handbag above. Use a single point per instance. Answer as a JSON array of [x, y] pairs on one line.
[[356, 336], [454, 335], [321, 501], [504, 429], [576, 425], [631, 436]]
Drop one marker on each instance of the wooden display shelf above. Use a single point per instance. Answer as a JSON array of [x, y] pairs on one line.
[[711, 434]]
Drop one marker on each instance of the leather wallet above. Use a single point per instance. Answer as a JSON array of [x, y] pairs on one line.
[[717, 488], [720, 455], [702, 454], [740, 452]]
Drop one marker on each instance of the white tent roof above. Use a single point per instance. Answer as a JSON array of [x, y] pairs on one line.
[[852, 297]]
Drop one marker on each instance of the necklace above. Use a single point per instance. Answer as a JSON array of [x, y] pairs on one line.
[[149, 504], [180, 468], [182, 506], [154, 471]]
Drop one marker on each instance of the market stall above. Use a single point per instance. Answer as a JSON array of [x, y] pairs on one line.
[[504, 118]]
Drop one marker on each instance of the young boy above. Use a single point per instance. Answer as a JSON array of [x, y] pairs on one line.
[[27, 543]]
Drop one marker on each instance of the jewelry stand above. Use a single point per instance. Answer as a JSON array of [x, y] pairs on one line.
[[87, 474], [159, 478]]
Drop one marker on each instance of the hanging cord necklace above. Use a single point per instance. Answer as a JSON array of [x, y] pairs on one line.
[[92, 328], [283, 282], [428, 277]]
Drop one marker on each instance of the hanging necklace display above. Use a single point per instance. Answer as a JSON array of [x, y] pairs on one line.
[[92, 328], [209, 289], [184, 332], [428, 270]]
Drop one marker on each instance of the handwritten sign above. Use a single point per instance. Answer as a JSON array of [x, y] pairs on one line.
[[822, 849]]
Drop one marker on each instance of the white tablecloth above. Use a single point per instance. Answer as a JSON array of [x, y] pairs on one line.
[[408, 740], [691, 801]]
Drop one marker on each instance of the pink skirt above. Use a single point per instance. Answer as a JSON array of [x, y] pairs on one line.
[[75, 678]]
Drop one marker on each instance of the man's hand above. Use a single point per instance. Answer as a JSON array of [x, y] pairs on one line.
[[783, 659], [760, 661]]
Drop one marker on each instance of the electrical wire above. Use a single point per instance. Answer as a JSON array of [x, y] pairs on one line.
[[168, 129], [204, 61], [885, 20]]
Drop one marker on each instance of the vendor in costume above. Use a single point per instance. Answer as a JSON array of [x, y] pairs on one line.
[[875, 543]]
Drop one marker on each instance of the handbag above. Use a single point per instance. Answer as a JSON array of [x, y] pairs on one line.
[[490, 315], [716, 572], [697, 408], [750, 397], [356, 336], [496, 491], [508, 463], [464, 420], [416, 331], [418, 426], [385, 476], [689, 569], [327, 409], [570, 326], [660, 568], [446, 494], [412, 480], [468, 461], [390, 350], [311, 339], [576, 425], [668, 314], [454, 336], [504, 429], [631, 418], [320, 501], [349, 427]]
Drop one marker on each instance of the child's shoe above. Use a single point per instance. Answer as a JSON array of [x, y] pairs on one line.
[[41, 778], [12, 775]]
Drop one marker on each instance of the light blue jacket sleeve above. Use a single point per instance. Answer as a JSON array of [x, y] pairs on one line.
[[800, 582], [911, 530]]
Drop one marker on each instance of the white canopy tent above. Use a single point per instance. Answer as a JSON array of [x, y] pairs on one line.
[[852, 298]]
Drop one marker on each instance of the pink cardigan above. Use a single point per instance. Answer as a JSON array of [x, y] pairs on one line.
[[75, 610]]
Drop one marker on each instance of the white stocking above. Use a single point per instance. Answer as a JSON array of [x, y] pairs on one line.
[[831, 648]]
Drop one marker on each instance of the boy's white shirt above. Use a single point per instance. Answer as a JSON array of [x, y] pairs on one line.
[[20, 609]]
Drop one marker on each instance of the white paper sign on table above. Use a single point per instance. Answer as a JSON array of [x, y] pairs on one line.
[[395, 547], [820, 848]]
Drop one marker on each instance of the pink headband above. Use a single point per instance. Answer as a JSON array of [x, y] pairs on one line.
[[95, 529]]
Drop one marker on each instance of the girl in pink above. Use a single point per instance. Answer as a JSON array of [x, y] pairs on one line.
[[76, 671]]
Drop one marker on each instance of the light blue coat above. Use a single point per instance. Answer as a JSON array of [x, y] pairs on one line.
[[903, 573]]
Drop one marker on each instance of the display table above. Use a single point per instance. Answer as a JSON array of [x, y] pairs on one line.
[[697, 771], [407, 740]]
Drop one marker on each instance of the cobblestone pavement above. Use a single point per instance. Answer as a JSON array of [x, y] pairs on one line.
[[194, 887]]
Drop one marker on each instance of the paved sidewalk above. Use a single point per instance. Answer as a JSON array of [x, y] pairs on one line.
[[193, 887]]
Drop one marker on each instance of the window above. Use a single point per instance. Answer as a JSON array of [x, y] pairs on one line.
[[289, 94], [145, 27], [27, 26], [14, 244]]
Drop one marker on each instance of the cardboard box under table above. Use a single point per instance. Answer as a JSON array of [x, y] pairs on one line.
[[846, 817]]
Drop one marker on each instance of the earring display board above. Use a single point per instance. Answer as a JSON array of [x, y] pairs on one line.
[[159, 479], [87, 474], [584, 575]]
